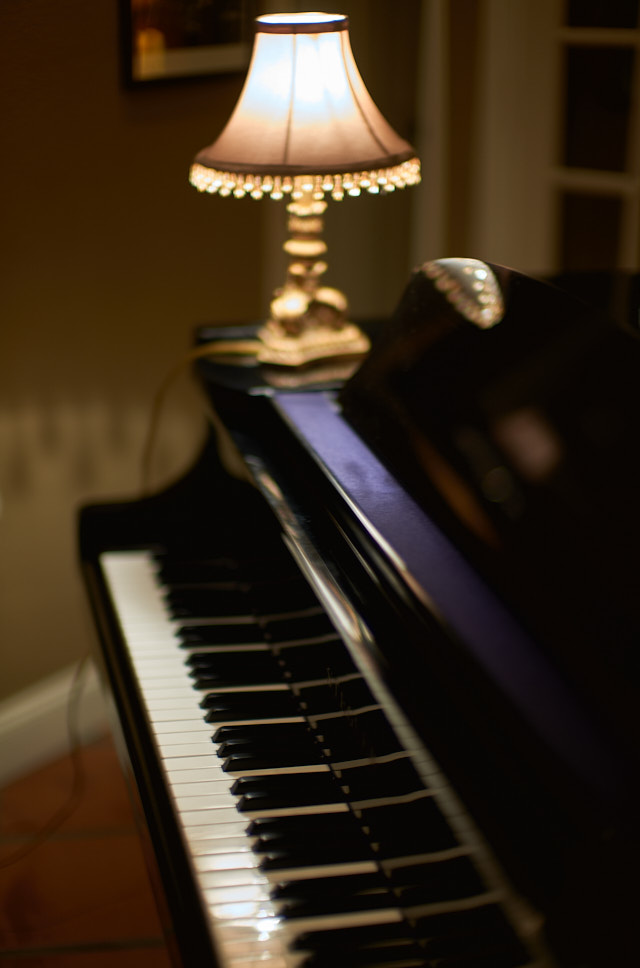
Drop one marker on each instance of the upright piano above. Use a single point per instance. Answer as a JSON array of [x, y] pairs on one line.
[[374, 658]]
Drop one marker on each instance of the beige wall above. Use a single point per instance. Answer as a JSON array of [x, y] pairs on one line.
[[109, 259]]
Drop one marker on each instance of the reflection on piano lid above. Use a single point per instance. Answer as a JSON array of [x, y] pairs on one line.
[[519, 440], [379, 702]]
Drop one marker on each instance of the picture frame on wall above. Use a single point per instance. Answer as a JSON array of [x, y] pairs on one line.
[[176, 39]]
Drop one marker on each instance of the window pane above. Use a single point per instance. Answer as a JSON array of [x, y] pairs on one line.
[[598, 102], [590, 233], [602, 13]]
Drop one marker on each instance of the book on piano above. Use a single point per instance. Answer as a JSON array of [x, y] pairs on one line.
[[376, 677]]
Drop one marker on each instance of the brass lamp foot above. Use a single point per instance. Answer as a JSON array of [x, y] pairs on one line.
[[318, 344]]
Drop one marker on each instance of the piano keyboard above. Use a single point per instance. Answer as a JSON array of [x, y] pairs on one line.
[[312, 839]]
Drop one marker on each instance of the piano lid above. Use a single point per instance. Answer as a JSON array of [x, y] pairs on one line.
[[510, 411]]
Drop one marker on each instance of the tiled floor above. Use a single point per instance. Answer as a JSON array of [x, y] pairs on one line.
[[81, 897]]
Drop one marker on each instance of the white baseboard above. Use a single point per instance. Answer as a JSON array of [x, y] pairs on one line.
[[34, 725]]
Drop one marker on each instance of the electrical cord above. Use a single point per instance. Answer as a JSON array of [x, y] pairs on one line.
[[78, 779], [224, 348]]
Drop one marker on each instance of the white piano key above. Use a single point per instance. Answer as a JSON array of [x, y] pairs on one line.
[[188, 738], [281, 770], [198, 818], [217, 784], [321, 717], [260, 687], [234, 895], [169, 727], [266, 960], [155, 662], [350, 919], [240, 937], [225, 862], [176, 766], [238, 877], [216, 649], [391, 800], [175, 690], [206, 774], [456, 904], [246, 909], [435, 857], [146, 643], [227, 845], [298, 811], [212, 801], [162, 679], [264, 721], [212, 831], [321, 870], [257, 960], [194, 748], [170, 704]]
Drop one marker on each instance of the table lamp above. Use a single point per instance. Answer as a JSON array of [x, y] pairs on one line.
[[304, 128]]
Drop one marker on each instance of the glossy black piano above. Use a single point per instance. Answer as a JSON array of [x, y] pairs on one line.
[[376, 674]]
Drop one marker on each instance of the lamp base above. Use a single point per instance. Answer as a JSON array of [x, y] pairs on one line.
[[311, 345]]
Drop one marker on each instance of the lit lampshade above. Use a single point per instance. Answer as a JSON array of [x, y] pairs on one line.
[[305, 127]]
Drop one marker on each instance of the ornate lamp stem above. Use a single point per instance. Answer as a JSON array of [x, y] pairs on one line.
[[308, 321], [305, 246]]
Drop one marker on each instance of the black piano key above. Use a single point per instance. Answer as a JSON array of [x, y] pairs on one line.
[[479, 936], [356, 736], [173, 570], [380, 779], [228, 634], [265, 737], [307, 855], [234, 669], [232, 661], [275, 857], [294, 628], [232, 706], [315, 845], [286, 790], [304, 827], [266, 598], [281, 596], [193, 602], [441, 880], [335, 696], [242, 762], [407, 828], [372, 944], [313, 897], [206, 681], [346, 885], [324, 660]]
